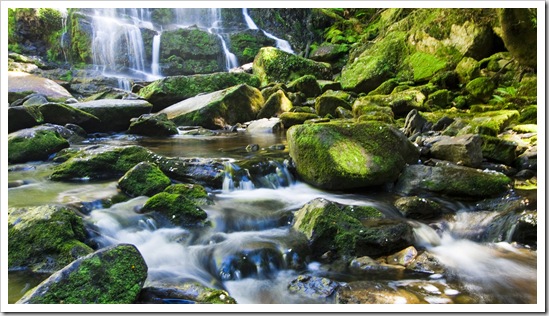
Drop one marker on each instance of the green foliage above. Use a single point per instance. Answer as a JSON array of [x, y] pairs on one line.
[[162, 16]]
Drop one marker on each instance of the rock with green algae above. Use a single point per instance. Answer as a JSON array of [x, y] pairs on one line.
[[481, 88], [276, 104], [170, 90], [452, 180], [115, 115], [20, 117], [153, 125], [61, 114], [112, 275], [145, 178], [290, 119], [327, 104], [36, 143], [519, 34], [246, 44], [44, 238], [350, 230], [177, 208], [193, 192], [400, 103], [189, 292], [275, 65], [307, 85], [499, 150], [416, 207], [218, 109], [346, 155]]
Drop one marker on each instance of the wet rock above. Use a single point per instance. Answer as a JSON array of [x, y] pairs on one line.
[[20, 117], [373, 292], [290, 119], [327, 105], [193, 192], [115, 115], [425, 262], [403, 257], [35, 99], [306, 85], [400, 103], [275, 65], [453, 180], [276, 104], [463, 150], [415, 124], [313, 287], [366, 264], [176, 208], [349, 230], [36, 143], [416, 207], [145, 178], [528, 159], [272, 125], [113, 275], [246, 44], [207, 172], [21, 84], [359, 154], [254, 259], [170, 90], [218, 109], [153, 125], [186, 293], [44, 238]]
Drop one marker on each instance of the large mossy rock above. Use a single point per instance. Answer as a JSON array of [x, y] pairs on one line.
[[113, 275], [275, 65], [170, 90], [218, 109], [452, 180], [61, 114], [519, 33], [176, 208], [36, 143], [21, 84], [153, 125], [115, 115], [44, 238], [190, 51], [350, 230], [400, 103], [276, 104], [143, 179], [20, 117], [246, 44], [346, 155]]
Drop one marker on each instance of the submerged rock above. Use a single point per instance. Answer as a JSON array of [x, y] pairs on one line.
[[143, 179], [36, 143], [44, 238], [313, 287], [113, 275], [346, 155]]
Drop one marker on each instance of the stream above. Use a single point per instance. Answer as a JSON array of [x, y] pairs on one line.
[[253, 225]]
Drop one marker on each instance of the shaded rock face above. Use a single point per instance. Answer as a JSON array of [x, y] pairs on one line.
[[33, 144], [44, 238], [246, 44], [276, 104], [350, 230], [61, 114], [112, 275], [20, 117], [115, 115], [218, 109], [346, 155]]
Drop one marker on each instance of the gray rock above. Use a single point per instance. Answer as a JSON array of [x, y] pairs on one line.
[[464, 150], [115, 115], [273, 125]]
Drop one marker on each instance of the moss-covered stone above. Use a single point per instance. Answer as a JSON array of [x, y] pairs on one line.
[[349, 230], [416, 207], [307, 85], [327, 105], [520, 34], [498, 150], [20, 117], [153, 125], [246, 44], [529, 115], [143, 179], [345, 155], [170, 90], [61, 114], [36, 143], [44, 238], [401, 103], [481, 88], [425, 66], [178, 209], [193, 192], [275, 105], [113, 275], [385, 88], [275, 65], [290, 119], [189, 291]]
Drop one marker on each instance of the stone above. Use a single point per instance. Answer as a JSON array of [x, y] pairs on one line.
[[33, 144], [193, 192], [463, 150], [481, 88], [44, 238], [366, 264], [176, 208], [403, 257], [20, 117], [112, 275], [415, 123], [419, 208], [186, 293], [273, 125], [347, 155], [145, 178], [374, 292], [61, 114], [21, 84], [153, 125], [218, 109], [290, 119], [325, 105], [498, 150], [313, 287], [115, 115], [306, 85], [276, 104], [247, 43]]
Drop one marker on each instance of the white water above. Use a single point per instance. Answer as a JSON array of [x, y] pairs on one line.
[[280, 43], [155, 68]]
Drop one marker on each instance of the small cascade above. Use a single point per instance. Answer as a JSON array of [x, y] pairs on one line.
[[155, 68], [230, 59], [271, 174], [242, 176], [124, 84], [280, 43]]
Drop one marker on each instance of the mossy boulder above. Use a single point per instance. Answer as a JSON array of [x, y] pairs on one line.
[[61, 114], [218, 109], [327, 105], [452, 180], [193, 192], [375, 65], [346, 155], [401, 103], [467, 69], [21, 84], [246, 44], [145, 178], [349, 230], [115, 115], [307, 85], [481, 88], [275, 65], [420, 208], [519, 34], [170, 90], [44, 238], [499, 150], [112, 275], [20, 117], [276, 104], [36, 143], [290, 119], [189, 292], [176, 208], [153, 125], [100, 162], [489, 123]]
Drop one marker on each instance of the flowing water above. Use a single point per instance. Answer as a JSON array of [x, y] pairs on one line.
[[280, 43], [250, 249]]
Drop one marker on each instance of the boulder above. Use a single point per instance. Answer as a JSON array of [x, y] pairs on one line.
[[307, 85], [400, 103], [415, 124], [345, 155], [262, 126], [218, 109], [186, 293], [315, 287], [290, 119], [481, 88], [415, 207], [374, 292], [153, 125], [61, 114], [276, 104], [467, 69], [453, 180], [464, 150], [115, 115], [44, 238], [170, 90], [350, 230], [275, 65], [21, 84], [499, 150], [327, 105], [176, 208], [36, 143], [194, 192], [365, 264], [20, 117], [112, 275], [145, 178], [246, 44]]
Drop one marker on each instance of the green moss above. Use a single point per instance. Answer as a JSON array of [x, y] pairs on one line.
[[176, 208], [290, 119], [81, 41], [481, 88], [498, 150], [425, 66], [37, 147], [193, 192], [144, 179]]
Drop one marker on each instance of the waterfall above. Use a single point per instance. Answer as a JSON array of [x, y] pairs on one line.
[[280, 43], [230, 59], [155, 69]]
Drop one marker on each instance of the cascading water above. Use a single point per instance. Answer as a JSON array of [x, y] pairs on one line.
[[155, 68], [280, 43]]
